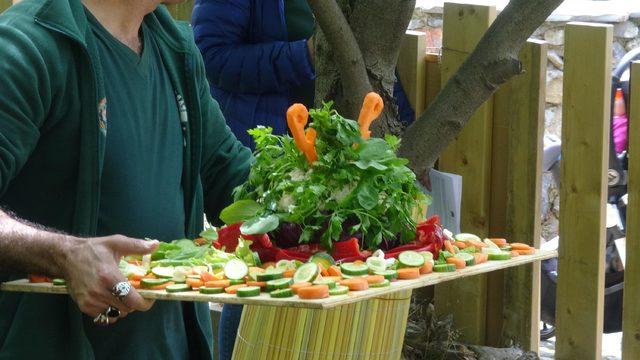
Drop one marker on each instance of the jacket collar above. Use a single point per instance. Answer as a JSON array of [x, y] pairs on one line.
[[68, 17]]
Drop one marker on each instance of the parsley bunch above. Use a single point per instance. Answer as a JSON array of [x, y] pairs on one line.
[[355, 187]]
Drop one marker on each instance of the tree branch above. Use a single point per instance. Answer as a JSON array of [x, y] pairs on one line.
[[492, 63], [347, 55]]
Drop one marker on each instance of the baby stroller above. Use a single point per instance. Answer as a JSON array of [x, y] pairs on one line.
[[616, 213]]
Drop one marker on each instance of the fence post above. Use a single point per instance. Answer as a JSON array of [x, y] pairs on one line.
[[631, 311], [412, 69], [468, 155], [585, 145], [513, 295]]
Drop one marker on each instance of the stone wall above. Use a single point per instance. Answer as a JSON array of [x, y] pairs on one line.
[[625, 18]]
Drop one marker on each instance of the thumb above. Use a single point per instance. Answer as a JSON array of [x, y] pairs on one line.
[[129, 246]]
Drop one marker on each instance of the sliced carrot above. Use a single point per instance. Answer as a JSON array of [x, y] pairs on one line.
[[374, 279], [267, 264], [530, 251], [217, 283], [194, 283], [449, 247], [314, 292], [334, 270], [38, 279], [458, 262], [297, 286], [477, 244], [355, 284], [207, 276], [514, 253], [257, 283], [334, 278], [460, 244], [255, 269], [322, 271], [161, 286], [480, 258], [135, 284], [408, 273], [233, 288], [289, 273], [150, 276], [426, 268], [520, 246], [137, 277], [499, 241]]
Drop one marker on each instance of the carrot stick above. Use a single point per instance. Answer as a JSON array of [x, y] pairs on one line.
[[480, 258], [322, 270], [297, 286], [257, 283], [135, 284], [520, 246], [194, 283], [314, 292], [514, 253], [355, 284], [478, 244], [289, 273], [499, 241], [371, 108], [460, 244], [408, 273], [374, 279], [426, 268], [233, 288], [459, 263], [217, 283], [449, 247], [529, 251], [207, 276], [161, 286], [334, 270]]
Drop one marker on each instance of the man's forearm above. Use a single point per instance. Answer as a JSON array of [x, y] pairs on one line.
[[26, 249]]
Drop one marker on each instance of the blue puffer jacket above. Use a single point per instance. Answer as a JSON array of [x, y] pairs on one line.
[[250, 63]]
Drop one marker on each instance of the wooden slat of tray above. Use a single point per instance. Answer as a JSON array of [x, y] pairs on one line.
[[23, 285]]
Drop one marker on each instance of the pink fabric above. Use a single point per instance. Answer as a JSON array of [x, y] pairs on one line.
[[620, 125]]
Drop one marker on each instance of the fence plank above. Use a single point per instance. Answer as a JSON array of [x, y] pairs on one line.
[[631, 311], [520, 105], [585, 146], [181, 11], [433, 76], [412, 69], [470, 156]]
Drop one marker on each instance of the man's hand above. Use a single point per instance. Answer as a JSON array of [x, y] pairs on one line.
[[91, 270]]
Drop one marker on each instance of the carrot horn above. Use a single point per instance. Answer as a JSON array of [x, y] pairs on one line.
[[371, 108], [297, 117]]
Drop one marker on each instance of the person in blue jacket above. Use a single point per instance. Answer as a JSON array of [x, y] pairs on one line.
[[258, 59]]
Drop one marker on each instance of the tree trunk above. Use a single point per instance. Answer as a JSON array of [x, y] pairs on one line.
[[377, 27]]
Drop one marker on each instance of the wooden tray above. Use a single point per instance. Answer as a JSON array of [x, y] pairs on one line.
[[23, 285]]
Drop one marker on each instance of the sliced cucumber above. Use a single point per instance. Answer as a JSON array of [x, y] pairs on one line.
[[306, 273], [500, 256], [249, 291], [444, 268], [284, 264], [468, 258], [236, 269], [278, 284], [59, 282], [354, 269], [506, 248], [236, 281], [211, 290], [378, 253], [410, 259], [322, 258], [490, 250], [427, 255], [376, 264], [491, 244], [179, 275], [380, 284], [153, 282], [270, 274], [330, 283], [466, 237], [178, 288], [281, 293], [388, 274], [163, 271], [339, 290]]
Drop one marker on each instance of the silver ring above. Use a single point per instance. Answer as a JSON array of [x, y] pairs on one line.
[[101, 320], [112, 312], [121, 290]]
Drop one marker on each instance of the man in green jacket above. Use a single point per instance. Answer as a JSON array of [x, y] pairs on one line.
[[106, 127]]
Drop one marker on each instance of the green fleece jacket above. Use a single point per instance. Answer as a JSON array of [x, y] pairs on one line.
[[53, 127]]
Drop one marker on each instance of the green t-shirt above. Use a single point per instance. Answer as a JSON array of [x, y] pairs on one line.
[[141, 192], [300, 24]]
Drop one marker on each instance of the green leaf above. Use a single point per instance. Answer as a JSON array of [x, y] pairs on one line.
[[239, 211], [210, 234], [365, 164], [260, 225], [367, 196]]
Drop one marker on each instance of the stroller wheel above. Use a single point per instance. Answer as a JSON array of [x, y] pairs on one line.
[[547, 331]]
